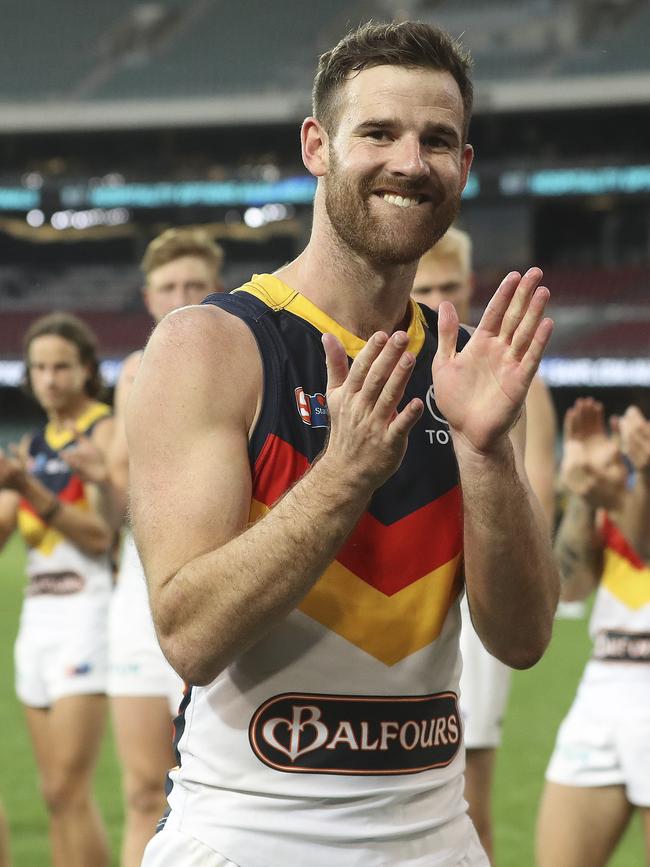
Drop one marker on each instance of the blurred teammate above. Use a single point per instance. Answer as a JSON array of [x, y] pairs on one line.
[[321, 640], [61, 647], [600, 769], [180, 267], [445, 274]]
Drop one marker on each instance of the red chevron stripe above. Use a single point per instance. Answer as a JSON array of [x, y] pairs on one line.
[[277, 468], [390, 558], [614, 539], [386, 557]]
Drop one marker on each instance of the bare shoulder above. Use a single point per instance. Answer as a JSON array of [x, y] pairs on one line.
[[200, 359], [130, 367]]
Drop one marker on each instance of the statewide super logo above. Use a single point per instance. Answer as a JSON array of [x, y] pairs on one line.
[[312, 408], [359, 735]]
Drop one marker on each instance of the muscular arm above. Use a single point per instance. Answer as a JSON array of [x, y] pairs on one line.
[[510, 574], [217, 585], [512, 581]]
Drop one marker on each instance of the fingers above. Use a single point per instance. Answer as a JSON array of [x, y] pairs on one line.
[[447, 331], [407, 418], [536, 347], [336, 360], [364, 362], [392, 366]]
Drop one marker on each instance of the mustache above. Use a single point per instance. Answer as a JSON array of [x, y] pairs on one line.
[[432, 190]]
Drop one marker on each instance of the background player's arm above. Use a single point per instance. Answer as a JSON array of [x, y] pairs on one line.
[[217, 585], [541, 432], [8, 515], [592, 477], [118, 454], [634, 521], [578, 549]]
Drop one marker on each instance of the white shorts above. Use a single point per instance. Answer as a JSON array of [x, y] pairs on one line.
[[61, 648], [172, 848], [605, 741], [484, 688], [137, 666]]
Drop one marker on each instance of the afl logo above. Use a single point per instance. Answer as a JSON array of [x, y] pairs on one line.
[[312, 408]]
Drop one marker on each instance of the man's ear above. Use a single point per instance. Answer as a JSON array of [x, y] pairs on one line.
[[315, 147]]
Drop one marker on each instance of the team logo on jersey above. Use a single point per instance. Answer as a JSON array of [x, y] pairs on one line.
[[312, 408], [439, 434], [358, 735]]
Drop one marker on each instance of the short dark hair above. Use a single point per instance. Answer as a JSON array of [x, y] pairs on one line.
[[72, 329], [411, 44]]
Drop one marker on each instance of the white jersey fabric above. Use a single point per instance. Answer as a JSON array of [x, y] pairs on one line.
[[605, 738], [484, 688]]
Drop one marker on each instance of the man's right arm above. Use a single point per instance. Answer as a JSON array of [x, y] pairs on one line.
[[217, 585]]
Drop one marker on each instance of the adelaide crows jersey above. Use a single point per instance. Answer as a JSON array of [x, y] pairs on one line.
[[620, 621], [55, 566], [337, 736]]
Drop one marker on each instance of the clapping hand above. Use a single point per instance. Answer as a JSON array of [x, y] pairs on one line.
[[481, 389], [592, 464]]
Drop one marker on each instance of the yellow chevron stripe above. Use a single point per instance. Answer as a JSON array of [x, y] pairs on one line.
[[389, 628], [277, 295], [629, 585]]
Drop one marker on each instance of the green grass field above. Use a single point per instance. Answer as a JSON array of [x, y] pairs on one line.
[[538, 702]]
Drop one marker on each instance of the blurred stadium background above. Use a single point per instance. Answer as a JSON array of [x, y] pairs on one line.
[[120, 119]]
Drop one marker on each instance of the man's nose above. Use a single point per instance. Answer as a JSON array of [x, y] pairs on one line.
[[407, 158]]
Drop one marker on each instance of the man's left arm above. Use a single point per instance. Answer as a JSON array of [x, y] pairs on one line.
[[511, 577]]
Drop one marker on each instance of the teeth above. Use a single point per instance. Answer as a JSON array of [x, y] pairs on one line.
[[400, 201]]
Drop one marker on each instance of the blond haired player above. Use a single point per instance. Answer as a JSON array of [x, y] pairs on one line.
[[445, 274], [181, 266]]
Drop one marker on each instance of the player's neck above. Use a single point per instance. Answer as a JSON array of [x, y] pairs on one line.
[[62, 418], [360, 296]]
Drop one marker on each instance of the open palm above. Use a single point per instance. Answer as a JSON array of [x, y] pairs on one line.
[[481, 389]]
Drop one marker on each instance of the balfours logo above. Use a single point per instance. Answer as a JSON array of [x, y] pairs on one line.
[[331, 734]]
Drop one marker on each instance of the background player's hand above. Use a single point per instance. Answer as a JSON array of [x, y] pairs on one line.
[[481, 390], [592, 465], [12, 469], [634, 431], [86, 460], [368, 436]]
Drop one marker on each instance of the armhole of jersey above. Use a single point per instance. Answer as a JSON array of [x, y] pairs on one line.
[[254, 314]]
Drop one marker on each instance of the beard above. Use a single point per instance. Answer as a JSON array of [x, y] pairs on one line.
[[381, 240]]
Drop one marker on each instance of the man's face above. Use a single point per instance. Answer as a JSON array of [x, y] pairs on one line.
[[397, 164], [57, 375], [443, 279], [183, 281]]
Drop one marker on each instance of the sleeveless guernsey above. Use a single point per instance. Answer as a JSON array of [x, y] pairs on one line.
[[336, 739], [55, 566], [620, 621]]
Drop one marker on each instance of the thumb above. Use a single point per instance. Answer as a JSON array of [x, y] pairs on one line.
[[337, 361], [447, 332]]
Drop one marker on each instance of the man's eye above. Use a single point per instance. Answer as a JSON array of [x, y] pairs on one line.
[[378, 134]]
